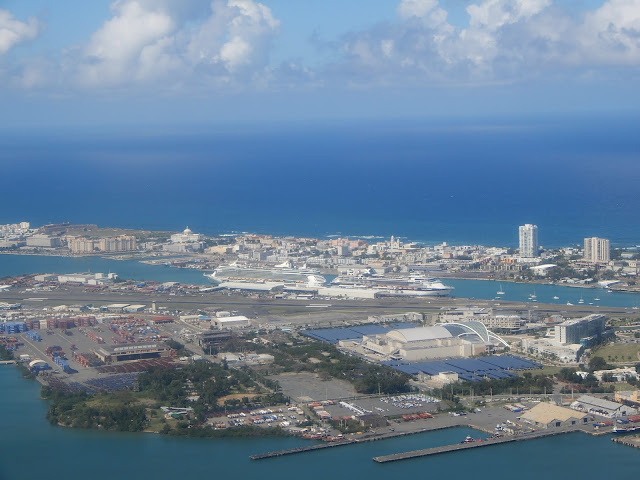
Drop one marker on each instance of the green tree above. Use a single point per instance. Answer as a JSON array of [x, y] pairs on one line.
[[597, 363]]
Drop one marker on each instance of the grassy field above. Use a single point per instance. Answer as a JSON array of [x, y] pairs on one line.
[[547, 370], [625, 352]]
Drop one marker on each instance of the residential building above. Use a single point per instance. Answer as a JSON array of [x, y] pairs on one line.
[[579, 330], [596, 250], [528, 241]]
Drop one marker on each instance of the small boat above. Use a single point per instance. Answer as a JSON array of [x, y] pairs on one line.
[[596, 299], [569, 303], [629, 429], [500, 292], [469, 439], [556, 297]]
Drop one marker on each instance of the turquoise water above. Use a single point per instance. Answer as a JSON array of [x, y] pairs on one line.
[[33, 449], [13, 265]]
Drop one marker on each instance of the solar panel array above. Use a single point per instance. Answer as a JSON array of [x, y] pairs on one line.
[[334, 335], [470, 369]]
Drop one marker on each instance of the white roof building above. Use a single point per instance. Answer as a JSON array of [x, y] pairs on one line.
[[236, 321], [602, 407], [422, 343]]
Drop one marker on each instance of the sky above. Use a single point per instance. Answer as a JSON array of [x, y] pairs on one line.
[[102, 62]]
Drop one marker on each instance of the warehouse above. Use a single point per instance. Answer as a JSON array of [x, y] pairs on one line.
[[548, 415], [132, 352], [235, 321], [602, 407]]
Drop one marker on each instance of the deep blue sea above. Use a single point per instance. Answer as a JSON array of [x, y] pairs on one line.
[[33, 449], [462, 181]]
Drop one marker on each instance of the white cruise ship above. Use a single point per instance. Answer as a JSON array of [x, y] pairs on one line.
[[397, 286], [248, 277]]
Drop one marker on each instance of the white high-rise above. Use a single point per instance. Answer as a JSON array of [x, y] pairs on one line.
[[528, 241], [596, 250]]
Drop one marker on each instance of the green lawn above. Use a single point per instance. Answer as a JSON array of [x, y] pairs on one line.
[[625, 352]]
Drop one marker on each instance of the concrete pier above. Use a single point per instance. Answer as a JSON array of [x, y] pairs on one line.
[[630, 441], [464, 446]]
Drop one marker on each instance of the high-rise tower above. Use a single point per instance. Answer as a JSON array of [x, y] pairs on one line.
[[528, 241]]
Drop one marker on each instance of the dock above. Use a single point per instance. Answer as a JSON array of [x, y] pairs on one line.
[[629, 441], [368, 438], [293, 451], [465, 446]]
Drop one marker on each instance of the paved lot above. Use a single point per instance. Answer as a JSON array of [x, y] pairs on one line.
[[384, 406]]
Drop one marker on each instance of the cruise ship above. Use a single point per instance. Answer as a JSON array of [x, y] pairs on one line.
[[394, 286], [248, 277]]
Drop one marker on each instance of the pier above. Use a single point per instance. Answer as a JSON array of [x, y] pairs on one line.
[[631, 441], [368, 438], [293, 451], [464, 446], [416, 453]]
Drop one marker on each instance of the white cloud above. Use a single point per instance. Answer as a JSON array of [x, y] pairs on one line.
[[504, 41], [120, 46], [415, 8], [208, 45], [13, 32], [611, 34], [167, 43], [492, 14]]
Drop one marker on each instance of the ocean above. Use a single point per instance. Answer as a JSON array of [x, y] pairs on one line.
[[463, 181], [33, 449]]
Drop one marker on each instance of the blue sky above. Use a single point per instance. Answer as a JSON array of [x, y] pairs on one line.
[[201, 61]]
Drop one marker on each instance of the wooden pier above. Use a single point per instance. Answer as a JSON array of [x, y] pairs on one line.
[[464, 446]]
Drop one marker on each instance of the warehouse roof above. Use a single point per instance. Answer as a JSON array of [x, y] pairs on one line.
[[420, 334], [598, 402], [545, 413]]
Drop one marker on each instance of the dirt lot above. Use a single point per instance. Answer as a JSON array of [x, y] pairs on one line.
[[307, 387]]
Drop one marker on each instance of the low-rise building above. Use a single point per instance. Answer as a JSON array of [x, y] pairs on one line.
[[235, 321], [132, 352], [43, 241], [602, 407], [631, 398], [547, 415]]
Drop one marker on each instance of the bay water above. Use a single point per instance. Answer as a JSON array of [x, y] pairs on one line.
[[14, 265], [33, 449]]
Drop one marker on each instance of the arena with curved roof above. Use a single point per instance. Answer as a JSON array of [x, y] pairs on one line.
[[464, 339]]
